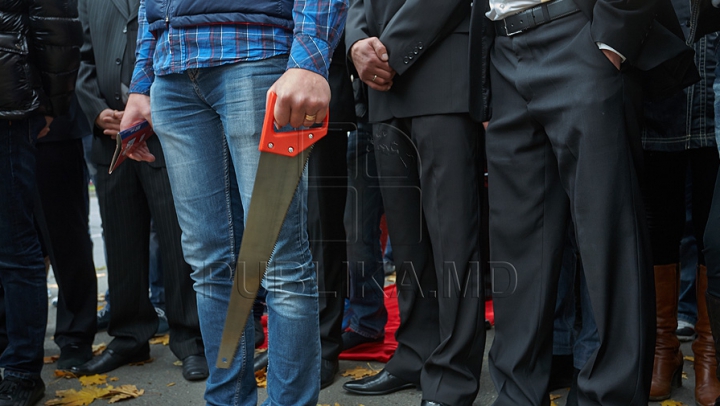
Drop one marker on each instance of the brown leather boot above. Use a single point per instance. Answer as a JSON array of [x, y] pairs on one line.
[[707, 387], [667, 368]]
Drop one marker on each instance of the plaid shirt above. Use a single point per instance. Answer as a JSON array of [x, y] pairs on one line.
[[318, 25]]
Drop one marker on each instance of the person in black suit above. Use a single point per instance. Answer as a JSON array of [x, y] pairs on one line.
[[129, 197], [413, 57], [62, 183], [560, 84]]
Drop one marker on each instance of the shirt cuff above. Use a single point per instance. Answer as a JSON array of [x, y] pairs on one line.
[[310, 53], [611, 49]]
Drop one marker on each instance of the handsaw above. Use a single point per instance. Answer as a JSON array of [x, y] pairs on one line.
[[283, 156]]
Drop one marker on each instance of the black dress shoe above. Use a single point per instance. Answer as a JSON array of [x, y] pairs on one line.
[[328, 370], [261, 361], [380, 384], [561, 372], [195, 368], [351, 339], [431, 403], [108, 361], [73, 355]]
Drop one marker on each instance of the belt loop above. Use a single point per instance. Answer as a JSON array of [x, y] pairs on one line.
[[546, 13]]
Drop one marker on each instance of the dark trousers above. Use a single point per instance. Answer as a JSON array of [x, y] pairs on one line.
[[712, 243], [128, 198], [327, 187], [62, 182], [664, 195], [22, 271], [563, 139], [431, 190]]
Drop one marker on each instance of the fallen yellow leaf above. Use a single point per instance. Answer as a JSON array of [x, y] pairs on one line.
[[164, 340], [689, 358], [552, 403], [92, 380], [64, 374], [555, 397], [684, 375], [71, 397], [391, 278], [171, 384], [98, 348], [114, 379], [177, 363], [261, 378], [671, 402], [124, 392], [359, 372], [51, 359], [140, 363]]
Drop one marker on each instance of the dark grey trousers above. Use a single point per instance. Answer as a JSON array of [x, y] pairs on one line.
[[561, 145], [430, 184]]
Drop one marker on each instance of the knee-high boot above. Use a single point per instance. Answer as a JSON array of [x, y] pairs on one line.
[[667, 368], [707, 386]]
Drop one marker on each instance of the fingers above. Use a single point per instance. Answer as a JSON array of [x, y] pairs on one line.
[[378, 79], [370, 57], [302, 98], [142, 153], [379, 48]]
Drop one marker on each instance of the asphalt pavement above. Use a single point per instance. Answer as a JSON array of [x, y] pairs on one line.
[[163, 383]]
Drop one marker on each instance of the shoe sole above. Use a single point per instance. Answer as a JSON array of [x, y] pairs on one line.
[[377, 393]]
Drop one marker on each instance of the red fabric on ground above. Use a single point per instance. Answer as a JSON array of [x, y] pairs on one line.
[[382, 352]]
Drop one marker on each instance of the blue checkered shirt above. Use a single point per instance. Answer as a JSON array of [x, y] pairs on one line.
[[318, 25]]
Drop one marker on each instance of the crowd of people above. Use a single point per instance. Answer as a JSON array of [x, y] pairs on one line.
[[560, 149]]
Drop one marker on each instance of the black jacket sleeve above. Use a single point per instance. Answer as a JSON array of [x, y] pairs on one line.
[[54, 38]]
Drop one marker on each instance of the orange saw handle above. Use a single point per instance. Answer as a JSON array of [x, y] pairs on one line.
[[288, 143]]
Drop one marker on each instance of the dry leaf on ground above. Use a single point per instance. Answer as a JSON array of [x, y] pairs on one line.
[[124, 392], [671, 402], [177, 363], [64, 374], [261, 378], [71, 397], [93, 380], [689, 358], [51, 359], [359, 372], [164, 340], [114, 379], [171, 384], [391, 278], [684, 375], [98, 348], [555, 397], [140, 363]]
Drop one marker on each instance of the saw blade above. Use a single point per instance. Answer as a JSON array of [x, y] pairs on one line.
[[275, 183]]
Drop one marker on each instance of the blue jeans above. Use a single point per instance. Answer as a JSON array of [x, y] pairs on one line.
[[155, 271], [209, 122], [687, 300], [364, 208], [22, 270]]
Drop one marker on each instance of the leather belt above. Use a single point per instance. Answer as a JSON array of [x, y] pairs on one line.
[[532, 17]]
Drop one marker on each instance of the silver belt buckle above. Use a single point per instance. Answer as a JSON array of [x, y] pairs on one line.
[[506, 29]]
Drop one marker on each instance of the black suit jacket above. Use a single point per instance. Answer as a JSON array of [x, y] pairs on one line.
[[427, 45], [109, 26], [646, 32]]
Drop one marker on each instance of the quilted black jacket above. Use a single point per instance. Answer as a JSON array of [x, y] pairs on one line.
[[39, 56]]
